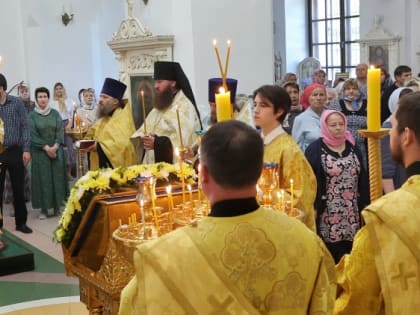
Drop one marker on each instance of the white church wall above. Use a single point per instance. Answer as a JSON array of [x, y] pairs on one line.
[[76, 54], [12, 46], [399, 18], [248, 24]]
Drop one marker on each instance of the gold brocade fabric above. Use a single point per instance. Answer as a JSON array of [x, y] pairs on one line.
[[258, 263], [165, 123], [113, 133], [381, 275], [293, 165]]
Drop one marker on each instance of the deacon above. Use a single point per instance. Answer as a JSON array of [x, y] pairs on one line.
[[242, 258], [174, 117], [381, 275], [113, 129]]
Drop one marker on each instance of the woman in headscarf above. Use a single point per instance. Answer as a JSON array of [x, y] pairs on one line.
[[49, 180], [393, 173], [306, 127], [342, 183], [354, 107], [65, 106]]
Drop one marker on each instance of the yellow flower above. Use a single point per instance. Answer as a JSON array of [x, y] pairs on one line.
[[105, 180]]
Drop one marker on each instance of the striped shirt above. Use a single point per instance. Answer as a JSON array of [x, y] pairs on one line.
[[16, 130]]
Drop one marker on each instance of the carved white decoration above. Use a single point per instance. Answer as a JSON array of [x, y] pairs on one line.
[[136, 49], [379, 36]]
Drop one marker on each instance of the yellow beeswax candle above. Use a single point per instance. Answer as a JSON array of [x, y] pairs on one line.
[[373, 99], [190, 192], [170, 199], [223, 105], [144, 112]]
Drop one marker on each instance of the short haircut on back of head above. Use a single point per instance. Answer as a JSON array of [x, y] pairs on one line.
[[408, 113], [232, 152]]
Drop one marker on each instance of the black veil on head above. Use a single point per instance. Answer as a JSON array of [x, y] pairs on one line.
[[172, 71]]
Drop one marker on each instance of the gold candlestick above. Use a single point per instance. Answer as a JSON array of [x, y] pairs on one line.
[[375, 161]]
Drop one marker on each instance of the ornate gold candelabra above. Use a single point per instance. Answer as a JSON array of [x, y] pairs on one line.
[[375, 161]]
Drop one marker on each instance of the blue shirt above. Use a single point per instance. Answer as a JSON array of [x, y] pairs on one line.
[[16, 130], [306, 128]]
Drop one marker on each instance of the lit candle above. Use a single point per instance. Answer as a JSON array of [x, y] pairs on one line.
[[182, 174], [199, 182], [223, 106], [169, 197], [144, 112], [219, 61], [291, 194], [152, 197], [226, 63], [179, 128], [282, 199], [373, 99], [119, 222], [190, 192]]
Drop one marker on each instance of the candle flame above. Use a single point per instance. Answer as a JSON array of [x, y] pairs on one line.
[[371, 67], [222, 90], [168, 189], [291, 182], [189, 187], [214, 42], [176, 152], [229, 42], [141, 203], [142, 93]]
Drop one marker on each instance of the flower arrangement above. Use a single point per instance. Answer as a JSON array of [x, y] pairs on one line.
[[107, 181]]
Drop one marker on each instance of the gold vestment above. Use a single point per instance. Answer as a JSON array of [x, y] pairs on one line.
[[381, 274], [293, 165], [262, 262], [113, 134]]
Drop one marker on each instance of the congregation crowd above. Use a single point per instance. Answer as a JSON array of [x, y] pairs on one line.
[[341, 260]]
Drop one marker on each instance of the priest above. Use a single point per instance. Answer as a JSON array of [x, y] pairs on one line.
[[112, 131], [173, 121]]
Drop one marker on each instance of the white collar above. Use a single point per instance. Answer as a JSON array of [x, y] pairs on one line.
[[272, 134]]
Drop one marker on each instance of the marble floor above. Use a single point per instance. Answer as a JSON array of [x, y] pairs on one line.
[[46, 290]]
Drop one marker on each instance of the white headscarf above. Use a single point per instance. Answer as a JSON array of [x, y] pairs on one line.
[[393, 101]]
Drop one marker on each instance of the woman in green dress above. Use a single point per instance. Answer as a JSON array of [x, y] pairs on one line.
[[48, 170]]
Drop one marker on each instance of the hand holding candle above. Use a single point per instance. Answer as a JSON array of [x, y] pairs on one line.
[[373, 99]]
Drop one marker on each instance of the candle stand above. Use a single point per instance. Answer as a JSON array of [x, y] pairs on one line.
[[375, 161], [78, 134]]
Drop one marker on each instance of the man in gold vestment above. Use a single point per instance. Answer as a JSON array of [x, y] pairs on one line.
[[113, 129], [272, 103], [242, 258], [173, 121], [381, 275]]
